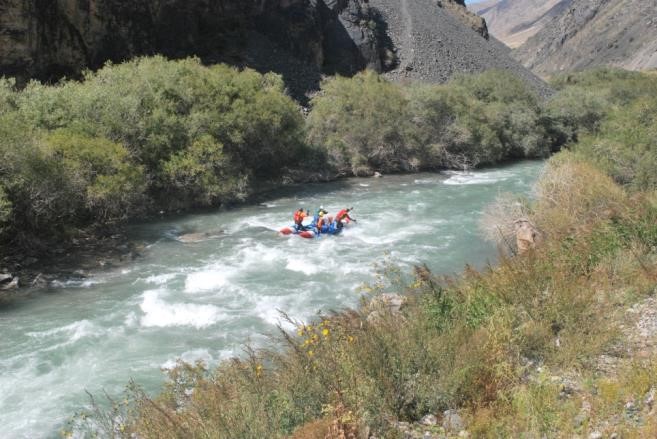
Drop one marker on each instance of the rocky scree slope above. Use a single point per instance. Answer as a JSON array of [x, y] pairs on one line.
[[433, 45], [514, 21], [300, 39]]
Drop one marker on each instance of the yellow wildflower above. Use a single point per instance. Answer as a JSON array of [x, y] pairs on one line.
[[311, 353], [326, 332]]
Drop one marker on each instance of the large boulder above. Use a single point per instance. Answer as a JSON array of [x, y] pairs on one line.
[[10, 284], [527, 236]]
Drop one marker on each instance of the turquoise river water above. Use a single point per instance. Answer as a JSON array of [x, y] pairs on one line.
[[204, 300]]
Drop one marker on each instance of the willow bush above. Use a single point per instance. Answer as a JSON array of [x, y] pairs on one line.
[[150, 133], [367, 124], [186, 135]]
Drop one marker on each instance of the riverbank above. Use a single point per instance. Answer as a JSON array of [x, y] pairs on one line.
[[153, 135]]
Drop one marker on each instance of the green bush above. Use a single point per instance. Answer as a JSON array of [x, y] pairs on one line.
[[100, 174], [61, 180], [150, 132], [626, 144], [361, 122], [158, 109], [5, 210], [366, 123], [203, 175]]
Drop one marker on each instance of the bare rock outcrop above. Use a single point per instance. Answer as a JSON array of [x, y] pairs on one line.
[[527, 236], [433, 44], [51, 39]]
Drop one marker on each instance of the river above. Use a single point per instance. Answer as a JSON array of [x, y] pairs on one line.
[[204, 300]]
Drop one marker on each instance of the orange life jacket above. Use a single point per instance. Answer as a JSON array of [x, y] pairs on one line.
[[343, 214], [299, 216]]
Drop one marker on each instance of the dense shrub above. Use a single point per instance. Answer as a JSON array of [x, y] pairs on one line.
[[158, 108], [203, 175], [100, 175], [173, 134], [61, 180], [626, 144], [362, 123], [366, 123]]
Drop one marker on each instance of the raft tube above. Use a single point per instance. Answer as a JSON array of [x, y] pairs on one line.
[[312, 232]]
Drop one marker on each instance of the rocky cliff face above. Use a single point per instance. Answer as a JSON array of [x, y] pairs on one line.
[[47, 39], [551, 36], [301, 39]]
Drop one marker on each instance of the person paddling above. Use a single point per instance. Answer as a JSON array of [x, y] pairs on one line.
[[299, 216], [319, 218], [343, 215]]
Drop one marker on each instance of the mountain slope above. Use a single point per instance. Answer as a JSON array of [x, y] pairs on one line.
[[514, 21], [433, 45], [300, 39], [595, 32]]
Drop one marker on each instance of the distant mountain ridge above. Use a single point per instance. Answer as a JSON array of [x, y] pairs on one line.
[[621, 33], [562, 35], [513, 21]]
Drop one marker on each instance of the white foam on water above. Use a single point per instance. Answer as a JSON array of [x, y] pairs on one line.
[[258, 254], [363, 185], [72, 332], [268, 221], [468, 178], [207, 280], [160, 279], [267, 309], [158, 313], [75, 283], [416, 206], [425, 181], [301, 265], [190, 357]]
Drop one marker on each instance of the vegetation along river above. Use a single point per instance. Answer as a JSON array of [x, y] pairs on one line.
[[204, 300]]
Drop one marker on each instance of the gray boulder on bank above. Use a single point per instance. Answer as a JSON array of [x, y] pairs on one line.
[[8, 282]]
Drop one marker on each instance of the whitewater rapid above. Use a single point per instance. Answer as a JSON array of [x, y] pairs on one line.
[[204, 300]]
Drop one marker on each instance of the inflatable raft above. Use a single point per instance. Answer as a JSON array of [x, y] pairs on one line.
[[310, 231]]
